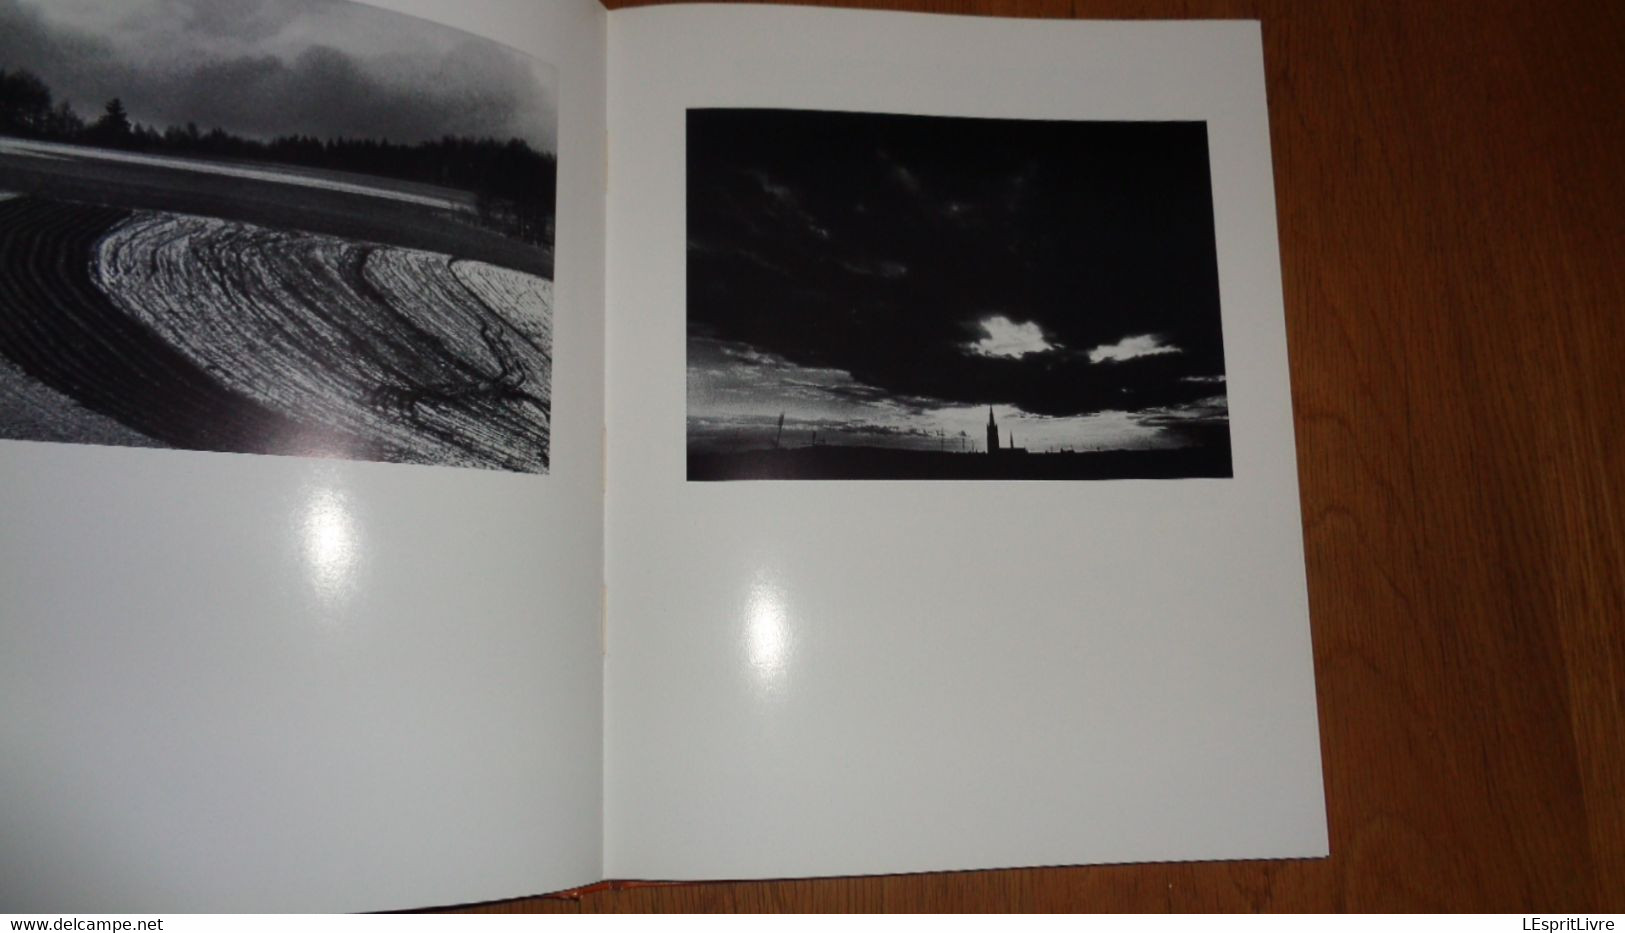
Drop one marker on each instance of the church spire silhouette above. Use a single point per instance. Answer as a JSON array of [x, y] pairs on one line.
[[992, 432]]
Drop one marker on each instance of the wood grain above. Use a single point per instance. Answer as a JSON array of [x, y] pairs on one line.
[[1449, 179]]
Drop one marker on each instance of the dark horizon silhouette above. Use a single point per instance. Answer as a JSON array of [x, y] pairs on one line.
[[515, 186], [835, 461]]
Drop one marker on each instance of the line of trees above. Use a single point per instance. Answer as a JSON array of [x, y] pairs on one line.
[[515, 185]]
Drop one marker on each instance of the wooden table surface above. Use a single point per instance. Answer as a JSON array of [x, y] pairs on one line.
[[1449, 178]]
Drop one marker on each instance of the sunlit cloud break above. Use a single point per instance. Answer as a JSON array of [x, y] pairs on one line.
[[1131, 348], [1005, 337]]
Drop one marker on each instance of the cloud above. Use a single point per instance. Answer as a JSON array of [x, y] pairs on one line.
[[1130, 348], [748, 355], [884, 268], [264, 68], [1210, 409], [1004, 337]]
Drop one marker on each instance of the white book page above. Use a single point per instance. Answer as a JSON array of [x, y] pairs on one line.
[[242, 682], [814, 677]]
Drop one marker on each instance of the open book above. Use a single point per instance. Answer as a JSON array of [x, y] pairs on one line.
[[457, 450]]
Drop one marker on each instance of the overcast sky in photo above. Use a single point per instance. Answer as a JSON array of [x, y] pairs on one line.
[[264, 68]]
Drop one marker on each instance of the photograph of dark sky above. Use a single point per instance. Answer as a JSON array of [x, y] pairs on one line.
[[883, 280]]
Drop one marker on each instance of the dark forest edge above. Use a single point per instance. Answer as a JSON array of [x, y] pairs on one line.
[[876, 463], [514, 184]]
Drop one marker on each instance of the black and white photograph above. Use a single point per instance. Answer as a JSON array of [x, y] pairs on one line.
[[296, 227], [885, 296]]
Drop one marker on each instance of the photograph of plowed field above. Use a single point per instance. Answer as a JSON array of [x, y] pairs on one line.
[[257, 289]]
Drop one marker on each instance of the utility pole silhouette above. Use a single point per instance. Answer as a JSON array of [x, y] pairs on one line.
[[780, 434]]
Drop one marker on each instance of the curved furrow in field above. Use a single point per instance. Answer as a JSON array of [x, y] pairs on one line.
[[522, 300], [482, 378], [442, 323], [382, 343], [60, 329]]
